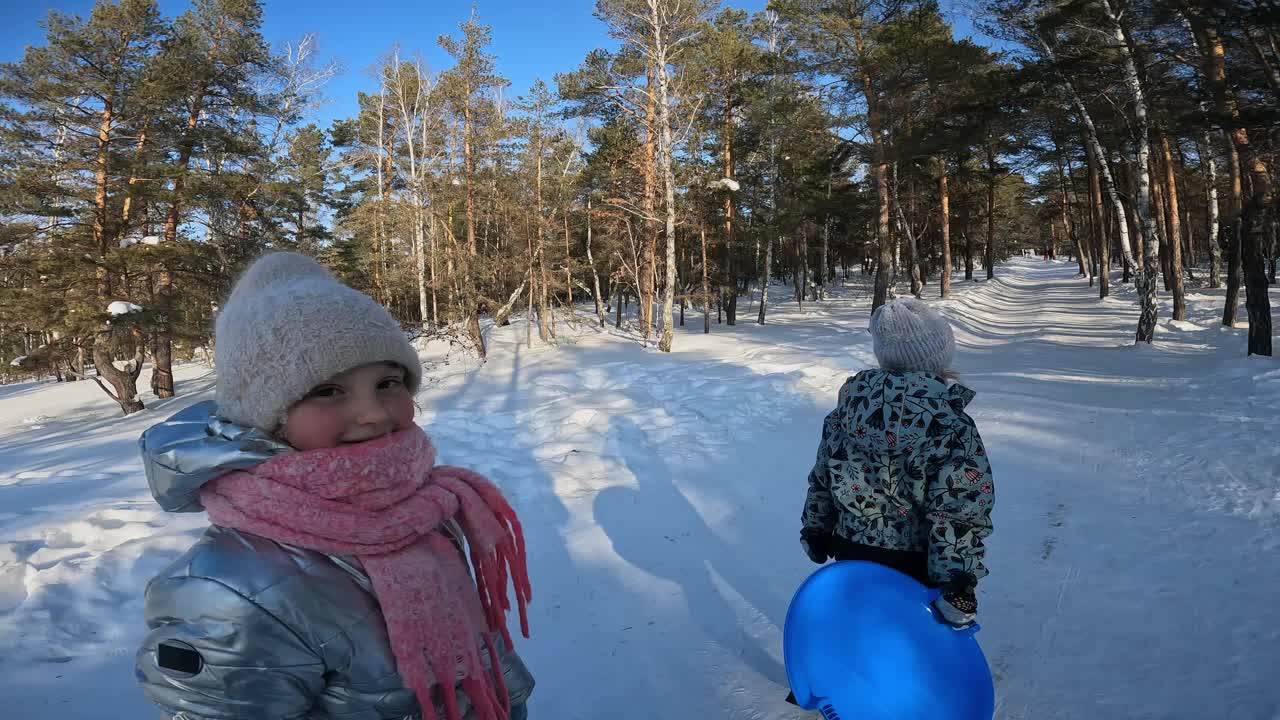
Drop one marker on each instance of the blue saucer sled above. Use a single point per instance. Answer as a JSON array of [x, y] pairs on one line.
[[861, 642]]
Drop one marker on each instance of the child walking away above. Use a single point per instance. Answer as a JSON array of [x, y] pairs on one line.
[[901, 477], [333, 581]]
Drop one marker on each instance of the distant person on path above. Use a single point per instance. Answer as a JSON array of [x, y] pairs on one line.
[[333, 582], [901, 477]]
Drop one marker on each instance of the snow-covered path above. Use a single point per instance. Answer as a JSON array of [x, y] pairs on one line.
[[1137, 506], [1132, 564]]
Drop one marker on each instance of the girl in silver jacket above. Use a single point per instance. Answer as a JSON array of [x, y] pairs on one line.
[[334, 581]]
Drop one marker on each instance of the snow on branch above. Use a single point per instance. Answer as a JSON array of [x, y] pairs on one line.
[[725, 184], [120, 307], [148, 240]]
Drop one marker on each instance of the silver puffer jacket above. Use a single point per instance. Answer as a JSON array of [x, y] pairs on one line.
[[245, 628]]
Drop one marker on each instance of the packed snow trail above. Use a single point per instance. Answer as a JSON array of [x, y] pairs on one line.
[[1136, 511], [1137, 491]]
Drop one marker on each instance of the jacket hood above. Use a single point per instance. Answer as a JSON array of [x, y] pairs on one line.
[[194, 447], [875, 411]]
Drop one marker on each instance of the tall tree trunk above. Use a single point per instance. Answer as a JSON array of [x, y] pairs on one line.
[[617, 306], [468, 173], [804, 265], [1073, 237], [649, 275], [795, 269], [706, 284], [472, 280], [1213, 56], [665, 154], [1131, 213], [162, 303], [1175, 232], [1161, 210], [730, 292], [162, 345], [162, 362], [967, 237], [917, 270], [1190, 252], [944, 195], [904, 228], [380, 212], [124, 383], [1273, 245], [186, 148], [1104, 168], [803, 247], [824, 268], [544, 327], [533, 288], [1256, 224], [1090, 219], [989, 255], [885, 263], [568, 261], [595, 274], [1101, 236], [875, 123], [1249, 235], [431, 240], [897, 259], [103, 235], [1150, 236], [765, 278], [451, 261], [420, 255]]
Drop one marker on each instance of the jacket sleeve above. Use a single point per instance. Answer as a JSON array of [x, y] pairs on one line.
[[819, 507], [213, 654], [960, 496]]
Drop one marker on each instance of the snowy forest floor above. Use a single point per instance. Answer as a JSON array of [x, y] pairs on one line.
[[1132, 565]]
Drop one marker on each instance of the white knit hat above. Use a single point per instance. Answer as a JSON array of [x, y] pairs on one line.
[[289, 326], [909, 335]]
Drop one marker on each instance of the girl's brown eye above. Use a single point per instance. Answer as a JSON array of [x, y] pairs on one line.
[[390, 383], [325, 392]]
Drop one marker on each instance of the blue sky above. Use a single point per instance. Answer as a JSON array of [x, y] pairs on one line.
[[531, 38]]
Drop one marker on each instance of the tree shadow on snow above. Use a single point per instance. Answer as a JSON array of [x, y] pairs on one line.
[[655, 528]]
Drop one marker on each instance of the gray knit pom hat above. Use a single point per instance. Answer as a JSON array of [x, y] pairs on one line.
[[288, 326], [910, 336]]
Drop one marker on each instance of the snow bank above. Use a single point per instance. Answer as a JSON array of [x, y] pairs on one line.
[[1184, 326]]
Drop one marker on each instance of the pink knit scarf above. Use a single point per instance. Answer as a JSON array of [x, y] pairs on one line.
[[386, 502]]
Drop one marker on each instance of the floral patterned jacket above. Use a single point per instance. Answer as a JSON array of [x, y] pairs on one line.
[[901, 466]]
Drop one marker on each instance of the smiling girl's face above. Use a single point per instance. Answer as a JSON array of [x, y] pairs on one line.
[[360, 404]]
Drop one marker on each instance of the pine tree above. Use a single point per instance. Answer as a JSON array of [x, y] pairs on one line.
[[76, 122], [466, 86]]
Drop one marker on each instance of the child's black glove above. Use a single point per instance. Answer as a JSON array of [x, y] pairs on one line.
[[958, 605], [816, 544]]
